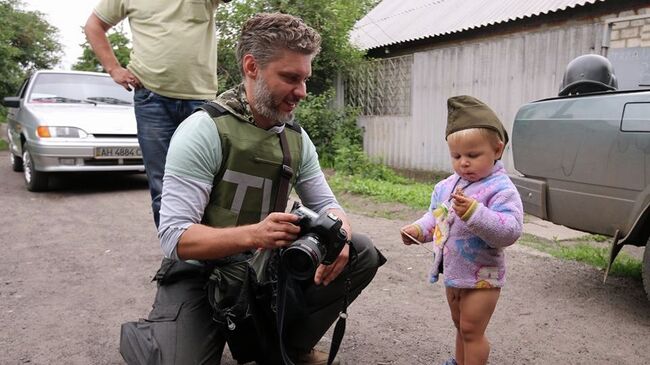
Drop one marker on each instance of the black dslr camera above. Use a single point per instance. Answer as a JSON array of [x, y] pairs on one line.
[[321, 239]]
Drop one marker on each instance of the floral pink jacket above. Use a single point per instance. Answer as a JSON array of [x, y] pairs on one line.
[[471, 250]]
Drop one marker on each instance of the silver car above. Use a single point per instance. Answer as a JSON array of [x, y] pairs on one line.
[[71, 121]]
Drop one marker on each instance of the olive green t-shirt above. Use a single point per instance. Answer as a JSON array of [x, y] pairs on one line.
[[174, 50]]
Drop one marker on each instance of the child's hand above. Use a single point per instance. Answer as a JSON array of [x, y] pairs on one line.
[[412, 231], [460, 202]]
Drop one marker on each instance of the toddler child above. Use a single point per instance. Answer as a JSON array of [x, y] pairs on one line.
[[474, 214]]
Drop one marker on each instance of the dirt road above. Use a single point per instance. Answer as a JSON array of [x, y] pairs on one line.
[[77, 262]]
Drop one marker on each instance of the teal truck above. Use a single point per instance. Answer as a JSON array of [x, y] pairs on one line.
[[583, 157]]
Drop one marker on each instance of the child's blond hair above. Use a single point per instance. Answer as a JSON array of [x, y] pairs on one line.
[[490, 134]]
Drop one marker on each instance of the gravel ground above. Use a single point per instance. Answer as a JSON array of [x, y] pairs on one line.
[[78, 261]]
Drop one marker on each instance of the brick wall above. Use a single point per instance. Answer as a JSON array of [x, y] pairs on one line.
[[633, 33]]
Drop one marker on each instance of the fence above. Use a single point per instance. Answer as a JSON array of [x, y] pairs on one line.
[[381, 87]]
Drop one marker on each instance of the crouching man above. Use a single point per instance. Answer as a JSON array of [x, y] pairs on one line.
[[228, 173]]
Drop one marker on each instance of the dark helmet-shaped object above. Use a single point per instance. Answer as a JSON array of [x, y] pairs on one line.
[[587, 74]]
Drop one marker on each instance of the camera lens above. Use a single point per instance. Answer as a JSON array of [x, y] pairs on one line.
[[300, 263], [303, 257]]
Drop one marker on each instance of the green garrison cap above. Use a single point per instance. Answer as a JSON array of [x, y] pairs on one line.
[[465, 112]]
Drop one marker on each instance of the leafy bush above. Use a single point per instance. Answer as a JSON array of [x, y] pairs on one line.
[[339, 140], [339, 143], [331, 129], [27, 43], [120, 43]]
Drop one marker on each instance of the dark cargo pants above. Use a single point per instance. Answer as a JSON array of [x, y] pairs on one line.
[[180, 330]]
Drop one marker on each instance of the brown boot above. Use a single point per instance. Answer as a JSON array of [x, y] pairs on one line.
[[313, 357]]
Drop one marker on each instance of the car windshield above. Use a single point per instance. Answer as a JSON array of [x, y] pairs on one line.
[[78, 88]]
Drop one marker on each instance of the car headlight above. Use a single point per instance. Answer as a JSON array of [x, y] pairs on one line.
[[60, 132]]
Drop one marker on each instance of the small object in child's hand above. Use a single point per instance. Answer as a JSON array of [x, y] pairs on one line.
[[411, 237]]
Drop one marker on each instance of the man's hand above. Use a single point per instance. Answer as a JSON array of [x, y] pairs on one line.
[[125, 78], [276, 230], [461, 202], [95, 30], [325, 274]]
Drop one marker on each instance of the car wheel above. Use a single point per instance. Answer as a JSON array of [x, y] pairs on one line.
[[16, 162], [646, 269], [34, 180]]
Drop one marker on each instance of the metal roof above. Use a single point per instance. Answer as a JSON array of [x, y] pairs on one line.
[[397, 21]]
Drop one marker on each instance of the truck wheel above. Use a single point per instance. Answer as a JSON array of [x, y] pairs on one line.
[[646, 269], [34, 180]]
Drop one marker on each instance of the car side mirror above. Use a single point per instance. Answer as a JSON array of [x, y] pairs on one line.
[[11, 102]]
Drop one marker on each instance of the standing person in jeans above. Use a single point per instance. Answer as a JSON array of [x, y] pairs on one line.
[[223, 173], [173, 68]]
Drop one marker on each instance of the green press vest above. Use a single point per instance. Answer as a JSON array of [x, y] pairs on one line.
[[245, 188]]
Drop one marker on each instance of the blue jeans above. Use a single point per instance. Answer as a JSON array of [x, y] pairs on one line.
[[158, 117]]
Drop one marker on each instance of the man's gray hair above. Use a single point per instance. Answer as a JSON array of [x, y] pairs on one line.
[[266, 35]]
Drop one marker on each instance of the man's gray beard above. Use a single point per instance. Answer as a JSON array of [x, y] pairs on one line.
[[265, 105]]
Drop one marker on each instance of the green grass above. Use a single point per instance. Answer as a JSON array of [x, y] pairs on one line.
[[593, 237], [412, 194], [3, 145], [582, 251]]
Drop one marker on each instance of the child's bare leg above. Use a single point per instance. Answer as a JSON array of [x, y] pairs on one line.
[[453, 299], [476, 308], [460, 350]]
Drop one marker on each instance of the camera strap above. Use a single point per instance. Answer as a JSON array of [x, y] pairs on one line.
[[339, 329], [285, 175], [280, 206], [281, 309]]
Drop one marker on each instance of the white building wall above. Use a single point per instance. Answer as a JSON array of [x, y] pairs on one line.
[[504, 71], [632, 33]]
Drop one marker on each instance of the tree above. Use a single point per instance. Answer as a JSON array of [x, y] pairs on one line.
[[27, 43], [333, 19], [121, 46]]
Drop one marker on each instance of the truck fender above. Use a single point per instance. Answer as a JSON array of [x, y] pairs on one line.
[[638, 222], [637, 235]]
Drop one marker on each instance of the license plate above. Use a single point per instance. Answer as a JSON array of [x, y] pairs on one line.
[[118, 152]]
